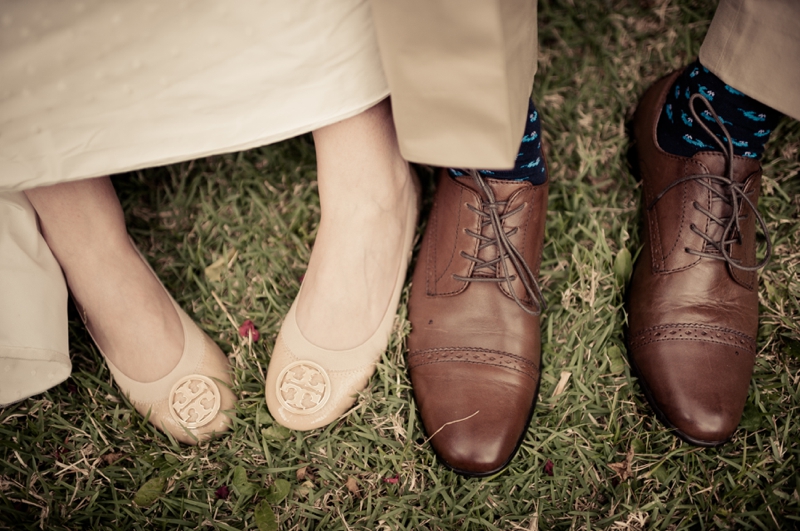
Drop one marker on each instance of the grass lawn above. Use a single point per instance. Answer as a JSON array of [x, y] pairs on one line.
[[594, 456]]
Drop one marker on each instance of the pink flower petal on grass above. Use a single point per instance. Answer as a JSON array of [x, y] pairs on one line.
[[249, 328]]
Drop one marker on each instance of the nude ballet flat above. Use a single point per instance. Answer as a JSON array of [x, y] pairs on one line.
[[193, 401], [308, 386]]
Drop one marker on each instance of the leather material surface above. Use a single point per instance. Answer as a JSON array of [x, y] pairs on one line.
[[200, 409], [474, 354], [692, 319]]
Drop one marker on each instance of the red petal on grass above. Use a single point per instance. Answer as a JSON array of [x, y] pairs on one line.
[[548, 468], [249, 328], [222, 493], [393, 480]]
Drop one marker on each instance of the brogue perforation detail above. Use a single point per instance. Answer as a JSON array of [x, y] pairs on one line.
[[480, 356], [694, 332]]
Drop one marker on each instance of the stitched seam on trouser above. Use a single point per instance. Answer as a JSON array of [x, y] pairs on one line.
[[648, 336]]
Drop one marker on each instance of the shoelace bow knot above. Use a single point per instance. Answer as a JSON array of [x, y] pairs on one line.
[[492, 215], [731, 192]]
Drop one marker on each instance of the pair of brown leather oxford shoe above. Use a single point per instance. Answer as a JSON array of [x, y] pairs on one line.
[[475, 348]]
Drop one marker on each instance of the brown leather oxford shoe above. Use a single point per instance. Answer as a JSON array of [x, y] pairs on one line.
[[474, 348], [693, 301]]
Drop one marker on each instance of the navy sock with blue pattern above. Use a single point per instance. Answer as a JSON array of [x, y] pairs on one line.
[[529, 165], [748, 121]]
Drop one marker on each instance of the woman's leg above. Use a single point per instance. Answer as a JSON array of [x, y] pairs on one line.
[[364, 187], [129, 313]]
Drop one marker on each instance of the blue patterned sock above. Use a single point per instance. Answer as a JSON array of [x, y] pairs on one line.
[[748, 121], [529, 165]]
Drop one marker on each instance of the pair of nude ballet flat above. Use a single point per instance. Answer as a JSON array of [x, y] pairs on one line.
[[307, 386]]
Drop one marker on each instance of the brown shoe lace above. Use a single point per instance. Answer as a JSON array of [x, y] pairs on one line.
[[490, 212], [729, 191]]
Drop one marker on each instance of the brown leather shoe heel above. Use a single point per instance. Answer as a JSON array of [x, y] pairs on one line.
[[474, 348], [693, 302]]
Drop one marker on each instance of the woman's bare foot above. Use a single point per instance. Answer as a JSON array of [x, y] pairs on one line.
[[129, 314], [365, 189]]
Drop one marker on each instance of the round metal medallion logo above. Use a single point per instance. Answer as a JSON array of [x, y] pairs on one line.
[[194, 401], [303, 387]]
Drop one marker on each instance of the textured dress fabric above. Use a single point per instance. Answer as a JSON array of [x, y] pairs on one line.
[[91, 88]]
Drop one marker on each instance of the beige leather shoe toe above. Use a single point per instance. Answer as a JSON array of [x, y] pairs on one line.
[[309, 386], [193, 402]]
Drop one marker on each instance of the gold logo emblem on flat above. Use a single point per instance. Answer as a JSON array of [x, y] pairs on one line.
[[303, 387], [194, 401]]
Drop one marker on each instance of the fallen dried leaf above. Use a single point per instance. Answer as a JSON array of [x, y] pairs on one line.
[[305, 473], [113, 457], [352, 486], [623, 468]]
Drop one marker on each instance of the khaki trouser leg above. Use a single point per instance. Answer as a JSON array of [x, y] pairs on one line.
[[460, 74], [754, 46], [34, 350]]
